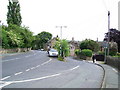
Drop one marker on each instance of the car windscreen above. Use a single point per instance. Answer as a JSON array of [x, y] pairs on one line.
[[53, 50]]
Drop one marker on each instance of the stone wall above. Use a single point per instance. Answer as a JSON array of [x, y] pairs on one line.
[[113, 61], [14, 50]]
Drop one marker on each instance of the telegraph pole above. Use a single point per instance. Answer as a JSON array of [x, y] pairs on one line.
[[61, 27], [108, 32]]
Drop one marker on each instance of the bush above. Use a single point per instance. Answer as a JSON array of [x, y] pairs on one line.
[[89, 44], [60, 58], [101, 53], [77, 52], [118, 54], [113, 51], [86, 52]]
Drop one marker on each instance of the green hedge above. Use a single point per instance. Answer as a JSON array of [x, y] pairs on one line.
[[77, 52], [86, 52]]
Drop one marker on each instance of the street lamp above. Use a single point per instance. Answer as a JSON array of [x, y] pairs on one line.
[[61, 27], [108, 31], [15, 0]]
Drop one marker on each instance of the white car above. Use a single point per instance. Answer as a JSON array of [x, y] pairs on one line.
[[53, 52]]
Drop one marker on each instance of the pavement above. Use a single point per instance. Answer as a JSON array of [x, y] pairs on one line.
[[111, 77]]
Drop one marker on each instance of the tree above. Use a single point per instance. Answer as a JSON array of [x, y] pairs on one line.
[[63, 48], [89, 44], [114, 36], [43, 38], [16, 36], [13, 15]]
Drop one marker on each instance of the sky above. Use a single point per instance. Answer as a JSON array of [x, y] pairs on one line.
[[85, 19]]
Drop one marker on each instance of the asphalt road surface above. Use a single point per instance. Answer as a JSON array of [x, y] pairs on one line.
[[35, 69]]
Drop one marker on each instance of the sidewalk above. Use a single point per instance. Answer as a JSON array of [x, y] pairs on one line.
[[112, 76]]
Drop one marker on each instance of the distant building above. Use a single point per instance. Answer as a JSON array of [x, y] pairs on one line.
[[73, 45], [50, 43]]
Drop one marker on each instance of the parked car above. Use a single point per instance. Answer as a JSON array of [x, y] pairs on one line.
[[42, 49], [53, 52]]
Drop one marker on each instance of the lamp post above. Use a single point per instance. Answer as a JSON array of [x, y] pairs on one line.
[[108, 31], [61, 27], [15, 0]]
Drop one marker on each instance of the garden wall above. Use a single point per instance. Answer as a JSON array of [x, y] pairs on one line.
[[14, 50], [113, 61]]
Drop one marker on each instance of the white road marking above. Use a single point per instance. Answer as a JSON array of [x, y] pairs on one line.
[[74, 68], [3, 84], [114, 70], [46, 62], [37, 78], [18, 73], [27, 70], [5, 78], [10, 60], [40, 78], [32, 68], [37, 66]]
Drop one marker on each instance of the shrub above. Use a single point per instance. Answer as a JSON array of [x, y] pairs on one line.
[[118, 54], [77, 52], [60, 58], [113, 51], [101, 53], [86, 52], [89, 44]]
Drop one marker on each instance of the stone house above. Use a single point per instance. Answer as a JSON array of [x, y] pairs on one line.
[[73, 45]]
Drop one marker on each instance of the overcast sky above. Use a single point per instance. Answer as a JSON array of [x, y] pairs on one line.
[[83, 18]]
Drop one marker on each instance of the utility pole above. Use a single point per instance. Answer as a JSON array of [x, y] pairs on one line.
[[108, 32], [61, 27]]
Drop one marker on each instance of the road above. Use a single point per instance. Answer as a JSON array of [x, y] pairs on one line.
[[35, 69]]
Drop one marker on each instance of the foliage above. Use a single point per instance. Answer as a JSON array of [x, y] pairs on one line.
[[89, 44], [113, 51], [14, 39], [13, 15], [86, 52], [41, 39], [101, 53], [118, 54], [16, 36], [60, 58], [77, 52], [4, 39], [114, 36], [63, 48]]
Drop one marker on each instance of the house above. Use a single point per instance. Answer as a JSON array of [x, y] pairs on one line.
[[73, 45], [50, 43]]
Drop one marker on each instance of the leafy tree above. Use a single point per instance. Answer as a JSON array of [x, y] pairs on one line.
[[13, 15], [15, 36], [4, 39], [43, 38], [63, 48], [114, 36], [89, 44]]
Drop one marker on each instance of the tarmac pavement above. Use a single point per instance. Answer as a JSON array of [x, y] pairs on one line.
[[112, 76]]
